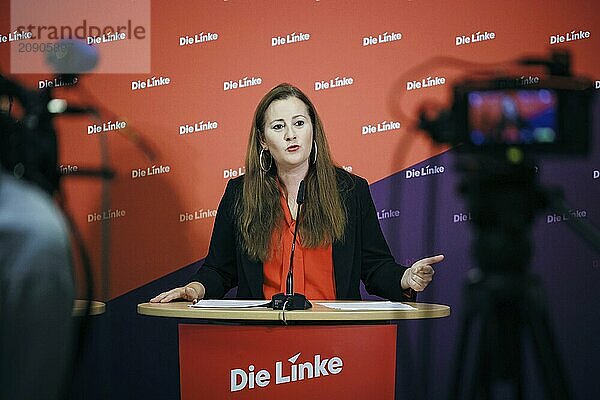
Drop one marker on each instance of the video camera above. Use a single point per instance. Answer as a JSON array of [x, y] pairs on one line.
[[541, 115], [28, 145]]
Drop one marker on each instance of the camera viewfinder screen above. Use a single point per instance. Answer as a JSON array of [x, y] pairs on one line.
[[518, 116]]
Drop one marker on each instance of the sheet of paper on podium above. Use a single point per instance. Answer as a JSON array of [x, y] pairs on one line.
[[229, 303], [366, 305]]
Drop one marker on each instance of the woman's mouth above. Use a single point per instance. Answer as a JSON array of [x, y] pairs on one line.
[[292, 148]]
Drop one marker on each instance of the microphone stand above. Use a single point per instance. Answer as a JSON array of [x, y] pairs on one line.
[[290, 300]]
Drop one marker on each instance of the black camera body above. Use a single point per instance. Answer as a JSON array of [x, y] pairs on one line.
[[549, 114], [28, 143], [545, 115]]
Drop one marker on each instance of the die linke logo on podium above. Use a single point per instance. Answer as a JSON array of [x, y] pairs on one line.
[[276, 362], [285, 372]]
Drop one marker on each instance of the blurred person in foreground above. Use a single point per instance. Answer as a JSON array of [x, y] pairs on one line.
[[36, 286]]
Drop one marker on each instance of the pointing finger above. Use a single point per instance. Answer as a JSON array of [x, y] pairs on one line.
[[430, 260]]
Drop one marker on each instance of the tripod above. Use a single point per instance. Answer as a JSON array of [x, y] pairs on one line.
[[504, 302]]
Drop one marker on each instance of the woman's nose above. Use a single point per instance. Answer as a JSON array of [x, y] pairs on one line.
[[289, 133]]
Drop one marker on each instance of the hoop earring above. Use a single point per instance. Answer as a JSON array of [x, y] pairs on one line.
[[261, 162], [316, 151]]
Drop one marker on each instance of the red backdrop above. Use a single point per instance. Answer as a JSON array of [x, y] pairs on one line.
[[150, 234]]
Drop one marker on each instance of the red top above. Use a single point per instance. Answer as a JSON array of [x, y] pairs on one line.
[[313, 267]]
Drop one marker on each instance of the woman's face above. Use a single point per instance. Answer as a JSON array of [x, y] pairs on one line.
[[288, 133]]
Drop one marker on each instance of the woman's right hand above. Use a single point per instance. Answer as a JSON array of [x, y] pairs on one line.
[[193, 291]]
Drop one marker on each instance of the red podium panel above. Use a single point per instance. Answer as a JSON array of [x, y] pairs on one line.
[[298, 362]]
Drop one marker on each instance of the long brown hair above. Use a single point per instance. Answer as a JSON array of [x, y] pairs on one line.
[[259, 211]]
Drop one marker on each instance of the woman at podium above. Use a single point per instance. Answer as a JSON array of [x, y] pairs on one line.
[[339, 240]]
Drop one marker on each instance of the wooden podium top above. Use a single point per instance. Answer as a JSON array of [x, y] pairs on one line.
[[96, 307], [316, 313]]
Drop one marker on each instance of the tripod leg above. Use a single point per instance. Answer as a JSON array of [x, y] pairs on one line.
[[551, 369], [482, 362], [507, 381], [489, 366], [460, 357], [472, 368]]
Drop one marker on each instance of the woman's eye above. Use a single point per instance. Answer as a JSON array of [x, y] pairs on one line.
[[277, 127], [299, 123]]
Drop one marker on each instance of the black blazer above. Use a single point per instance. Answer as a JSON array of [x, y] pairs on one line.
[[363, 255]]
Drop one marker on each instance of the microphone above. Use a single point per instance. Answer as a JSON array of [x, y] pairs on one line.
[[289, 282], [289, 299], [60, 106]]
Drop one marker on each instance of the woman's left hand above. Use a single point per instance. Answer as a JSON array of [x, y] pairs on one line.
[[418, 276]]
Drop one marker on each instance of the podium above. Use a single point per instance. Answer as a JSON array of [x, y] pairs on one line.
[[248, 353], [95, 307]]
